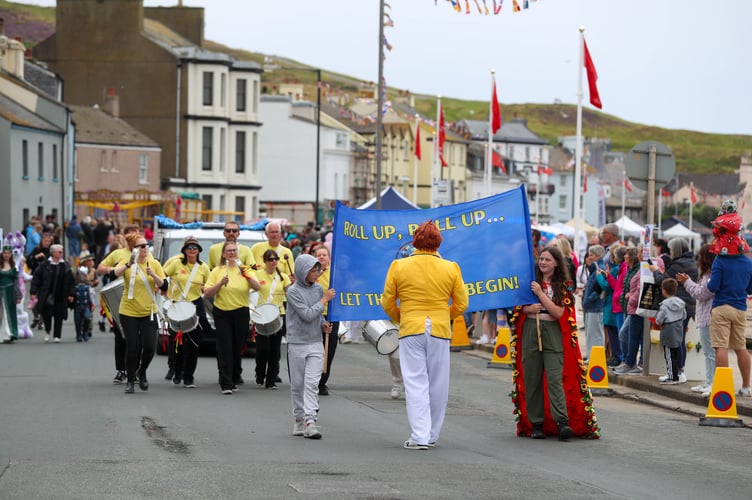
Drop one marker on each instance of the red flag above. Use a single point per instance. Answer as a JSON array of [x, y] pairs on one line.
[[442, 137], [592, 77], [665, 193], [498, 161], [495, 113], [692, 194], [417, 141], [584, 182], [627, 184]]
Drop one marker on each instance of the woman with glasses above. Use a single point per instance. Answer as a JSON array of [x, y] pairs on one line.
[[187, 276], [230, 284], [274, 285], [138, 311]]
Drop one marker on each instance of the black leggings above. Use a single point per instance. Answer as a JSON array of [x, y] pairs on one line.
[[140, 344], [232, 330]]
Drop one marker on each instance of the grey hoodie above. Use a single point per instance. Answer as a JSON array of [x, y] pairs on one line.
[[670, 317], [305, 312]]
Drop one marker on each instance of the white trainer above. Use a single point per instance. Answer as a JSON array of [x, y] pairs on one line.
[[745, 391], [298, 429], [682, 378], [700, 388], [396, 391], [311, 431], [663, 378], [482, 340]]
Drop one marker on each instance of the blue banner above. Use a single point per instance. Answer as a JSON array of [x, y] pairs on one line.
[[489, 238]]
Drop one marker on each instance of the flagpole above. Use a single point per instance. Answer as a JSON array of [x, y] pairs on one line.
[[623, 200], [578, 149], [489, 149], [436, 160], [415, 160]]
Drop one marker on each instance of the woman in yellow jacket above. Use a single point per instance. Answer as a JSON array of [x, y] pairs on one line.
[[138, 310], [424, 284]]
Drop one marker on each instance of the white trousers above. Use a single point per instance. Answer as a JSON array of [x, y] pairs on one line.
[[425, 370], [305, 362], [394, 367]]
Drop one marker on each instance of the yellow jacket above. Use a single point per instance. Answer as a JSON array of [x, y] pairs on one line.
[[424, 283]]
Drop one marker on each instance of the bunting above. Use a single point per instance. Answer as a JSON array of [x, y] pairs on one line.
[[483, 9]]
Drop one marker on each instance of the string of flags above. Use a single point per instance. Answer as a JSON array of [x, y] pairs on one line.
[[482, 6]]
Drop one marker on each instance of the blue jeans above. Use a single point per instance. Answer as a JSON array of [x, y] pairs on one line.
[[709, 354], [634, 328]]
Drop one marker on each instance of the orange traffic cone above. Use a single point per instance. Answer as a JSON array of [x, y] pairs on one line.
[[722, 403], [460, 340], [597, 373], [502, 353]]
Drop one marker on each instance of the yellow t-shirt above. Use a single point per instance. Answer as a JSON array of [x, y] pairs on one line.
[[179, 274], [142, 304], [285, 265], [324, 282], [116, 256], [235, 294], [244, 254], [279, 295]]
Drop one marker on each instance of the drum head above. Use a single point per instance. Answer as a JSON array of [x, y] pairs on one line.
[[265, 313], [181, 311]]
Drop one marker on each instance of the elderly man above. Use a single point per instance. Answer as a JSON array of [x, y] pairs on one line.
[[231, 233], [274, 236], [609, 237], [55, 287]]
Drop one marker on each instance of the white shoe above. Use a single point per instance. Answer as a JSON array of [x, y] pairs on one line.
[[745, 391], [284, 340], [57, 340], [396, 391], [663, 378], [47, 338], [298, 429], [700, 388], [311, 431], [682, 378], [482, 340], [706, 392]]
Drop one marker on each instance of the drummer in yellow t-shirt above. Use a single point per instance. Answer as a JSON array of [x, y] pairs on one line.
[[231, 233], [274, 284], [230, 285], [142, 274], [188, 275], [274, 239]]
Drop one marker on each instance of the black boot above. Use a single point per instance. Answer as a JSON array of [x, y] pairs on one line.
[[129, 388], [537, 432], [565, 432], [142, 382]]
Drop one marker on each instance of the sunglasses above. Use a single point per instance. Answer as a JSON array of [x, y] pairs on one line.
[[142, 245], [232, 230], [272, 258], [191, 247]]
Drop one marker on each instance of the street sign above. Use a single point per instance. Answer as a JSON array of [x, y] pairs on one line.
[[637, 164]]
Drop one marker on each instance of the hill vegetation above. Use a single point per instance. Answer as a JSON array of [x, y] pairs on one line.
[[695, 152]]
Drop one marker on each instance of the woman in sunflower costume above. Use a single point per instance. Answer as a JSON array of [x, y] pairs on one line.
[[551, 396]]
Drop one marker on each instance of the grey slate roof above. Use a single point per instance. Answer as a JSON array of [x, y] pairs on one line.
[[19, 115], [514, 131], [94, 126]]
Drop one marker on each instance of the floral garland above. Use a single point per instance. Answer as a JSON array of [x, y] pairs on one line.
[[579, 406]]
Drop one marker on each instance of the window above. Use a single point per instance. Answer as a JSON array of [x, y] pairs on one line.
[[239, 152], [208, 88], [563, 181], [240, 207], [40, 160], [254, 145], [527, 153], [240, 93], [103, 161], [562, 202], [25, 159], [206, 149], [143, 169], [222, 92], [341, 140], [113, 164], [54, 163], [255, 95], [222, 150], [207, 198]]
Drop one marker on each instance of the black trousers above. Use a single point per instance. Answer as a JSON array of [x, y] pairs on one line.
[[183, 358], [56, 311], [120, 349], [232, 330], [333, 341], [140, 343], [268, 353]]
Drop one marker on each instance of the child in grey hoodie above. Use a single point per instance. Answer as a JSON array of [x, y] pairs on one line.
[[671, 316], [305, 352]]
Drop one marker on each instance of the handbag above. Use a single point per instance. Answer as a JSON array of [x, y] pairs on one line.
[[650, 300]]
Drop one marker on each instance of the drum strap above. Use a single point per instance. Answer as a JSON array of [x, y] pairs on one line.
[[145, 281], [189, 283], [272, 288]]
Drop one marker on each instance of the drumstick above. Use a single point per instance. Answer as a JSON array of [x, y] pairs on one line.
[[287, 263]]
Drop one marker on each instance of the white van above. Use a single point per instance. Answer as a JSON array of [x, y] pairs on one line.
[[168, 242]]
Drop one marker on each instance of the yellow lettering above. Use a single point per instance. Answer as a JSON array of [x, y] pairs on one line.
[[349, 298], [354, 231], [374, 299], [383, 232]]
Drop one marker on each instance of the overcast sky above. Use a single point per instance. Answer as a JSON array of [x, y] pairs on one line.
[[671, 63]]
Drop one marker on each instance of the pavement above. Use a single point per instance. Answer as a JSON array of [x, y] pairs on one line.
[[647, 389]]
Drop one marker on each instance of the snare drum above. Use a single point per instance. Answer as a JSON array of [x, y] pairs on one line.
[[182, 317], [383, 335], [266, 319], [112, 294]]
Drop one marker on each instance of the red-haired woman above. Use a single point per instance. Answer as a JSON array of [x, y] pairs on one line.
[[424, 283]]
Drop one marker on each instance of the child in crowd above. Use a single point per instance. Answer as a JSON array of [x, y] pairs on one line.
[[84, 305], [670, 316], [305, 352]]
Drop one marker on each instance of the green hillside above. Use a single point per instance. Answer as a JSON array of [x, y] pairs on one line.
[[695, 152]]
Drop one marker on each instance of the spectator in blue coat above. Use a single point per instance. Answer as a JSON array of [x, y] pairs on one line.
[[593, 299]]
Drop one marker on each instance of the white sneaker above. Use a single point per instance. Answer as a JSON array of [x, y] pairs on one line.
[[57, 340], [682, 378], [663, 378], [482, 340], [284, 340], [298, 429], [311, 431], [700, 388], [47, 338], [706, 392], [745, 391], [396, 391]]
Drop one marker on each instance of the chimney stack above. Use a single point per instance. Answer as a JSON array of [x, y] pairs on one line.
[[112, 103]]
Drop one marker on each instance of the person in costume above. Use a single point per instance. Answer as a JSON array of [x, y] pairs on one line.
[[230, 284], [417, 294], [187, 275], [10, 295], [142, 274], [274, 285], [545, 336]]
